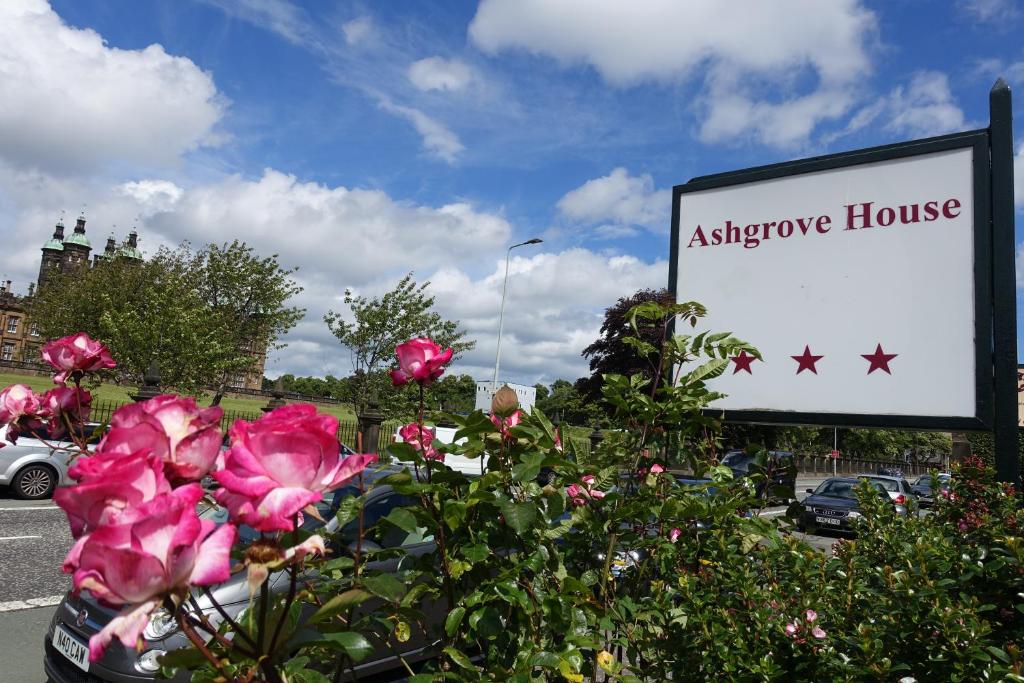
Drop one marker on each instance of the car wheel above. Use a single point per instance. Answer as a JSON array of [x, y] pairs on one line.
[[35, 482]]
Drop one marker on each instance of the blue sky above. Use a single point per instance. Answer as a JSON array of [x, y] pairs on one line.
[[363, 140]]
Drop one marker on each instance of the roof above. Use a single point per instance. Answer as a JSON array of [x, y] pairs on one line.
[[78, 238], [56, 245], [130, 252]]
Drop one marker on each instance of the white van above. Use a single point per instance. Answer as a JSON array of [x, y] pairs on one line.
[[458, 463]]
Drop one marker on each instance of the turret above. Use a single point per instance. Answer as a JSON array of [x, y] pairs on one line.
[[76, 247], [53, 252], [130, 248]]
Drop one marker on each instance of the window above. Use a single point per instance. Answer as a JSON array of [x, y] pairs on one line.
[[7, 352], [12, 324], [34, 329]]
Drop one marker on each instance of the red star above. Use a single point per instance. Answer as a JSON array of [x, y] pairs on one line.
[[807, 360], [743, 362], [879, 360]]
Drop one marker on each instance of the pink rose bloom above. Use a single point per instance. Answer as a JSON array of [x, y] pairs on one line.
[[657, 469], [19, 408], [156, 549], [421, 438], [811, 616], [419, 360], [791, 628], [186, 437], [674, 535], [818, 632], [78, 353], [580, 494], [64, 406], [505, 424], [281, 463]]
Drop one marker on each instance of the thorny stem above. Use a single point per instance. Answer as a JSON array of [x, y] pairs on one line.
[[235, 627], [193, 637]]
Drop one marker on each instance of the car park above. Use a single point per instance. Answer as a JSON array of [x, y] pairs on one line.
[[924, 487], [834, 505], [36, 465], [77, 618], [777, 467]]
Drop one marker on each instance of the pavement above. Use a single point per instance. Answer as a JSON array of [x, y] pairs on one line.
[[34, 539]]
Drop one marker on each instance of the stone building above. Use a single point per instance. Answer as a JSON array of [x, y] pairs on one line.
[[20, 340]]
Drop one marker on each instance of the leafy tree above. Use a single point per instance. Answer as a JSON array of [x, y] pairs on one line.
[[610, 354], [194, 314], [248, 294], [565, 402], [378, 325]]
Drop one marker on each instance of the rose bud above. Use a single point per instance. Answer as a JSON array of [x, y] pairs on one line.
[[504, 402]]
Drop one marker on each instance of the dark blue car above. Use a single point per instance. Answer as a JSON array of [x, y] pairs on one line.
[[833, 505]]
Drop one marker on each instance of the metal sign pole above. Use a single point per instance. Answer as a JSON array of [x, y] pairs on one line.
[[1004, 299]]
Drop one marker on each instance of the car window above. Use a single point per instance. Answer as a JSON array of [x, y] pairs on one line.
[[737, 460], [887, 484], [924, 480], [385, 534]]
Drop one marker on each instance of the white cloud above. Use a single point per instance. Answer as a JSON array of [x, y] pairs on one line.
[[620, 198], [438, 73], [752, 56], [437, 139], [358, 30], [71, 102], [153, 195], [925, 107], [990, 11]]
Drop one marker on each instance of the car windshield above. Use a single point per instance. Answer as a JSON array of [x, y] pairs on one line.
[[737, 460], [887, 484], [843, 488], [924, 480]]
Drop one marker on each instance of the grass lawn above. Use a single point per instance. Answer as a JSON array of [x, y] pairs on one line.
[[120, 394]]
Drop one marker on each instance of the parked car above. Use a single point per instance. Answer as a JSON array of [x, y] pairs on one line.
[[924, 487], [76, 619], [898, 488], [777, 466], [35, 466], [834, 505]]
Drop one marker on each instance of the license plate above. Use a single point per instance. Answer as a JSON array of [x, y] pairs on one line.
[[71, 647], [834, 521]]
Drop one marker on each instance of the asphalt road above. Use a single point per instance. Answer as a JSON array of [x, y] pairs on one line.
[[34, 539]]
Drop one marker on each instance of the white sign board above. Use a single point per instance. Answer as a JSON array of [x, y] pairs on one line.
[[856, 284]]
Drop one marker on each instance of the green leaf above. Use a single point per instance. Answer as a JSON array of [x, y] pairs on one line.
[[452, 621], [355, 645], [459, 658], [709, 370], [385, 586], [403, 519], [339, 604], [476, 553], [486, 622], [519, 516], [454, 513]]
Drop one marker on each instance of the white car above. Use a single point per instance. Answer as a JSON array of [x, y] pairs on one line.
[[34, 467]]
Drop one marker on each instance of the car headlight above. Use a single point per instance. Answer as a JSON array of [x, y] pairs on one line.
[[854, 515], [149, 661], [160, 624], [807, 508]]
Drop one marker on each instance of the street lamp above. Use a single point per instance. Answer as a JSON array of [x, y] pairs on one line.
[[501, 315]]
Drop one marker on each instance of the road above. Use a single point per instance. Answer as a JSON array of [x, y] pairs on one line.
[[34, 538]]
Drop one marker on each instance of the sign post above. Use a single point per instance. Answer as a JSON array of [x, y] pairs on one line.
[[878, 284]]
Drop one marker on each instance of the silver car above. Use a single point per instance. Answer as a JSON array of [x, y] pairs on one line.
[[898, 488], [34, 467], [76, 619]]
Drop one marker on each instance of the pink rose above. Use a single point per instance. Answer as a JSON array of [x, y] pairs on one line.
[[19, 408], [421, 438], [580, 494], [657, 469], [818, 632], [77, 353], [64, 407], [156, 549], [281, 463], [674, 535], [505, 424], [811, 616], [186, 437], [419, 360], [791, 628]]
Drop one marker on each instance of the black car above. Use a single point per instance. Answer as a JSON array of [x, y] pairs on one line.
[[77, 618], [777, 467], [833, 505], [924, 488]]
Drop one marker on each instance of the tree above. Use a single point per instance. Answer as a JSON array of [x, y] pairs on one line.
[[247, 293], [379, 324], [176, 308], [565, 402], [609, 354]]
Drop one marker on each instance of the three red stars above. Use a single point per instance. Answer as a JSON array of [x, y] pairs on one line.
[[743, 362], [879, 360], [806, 361]]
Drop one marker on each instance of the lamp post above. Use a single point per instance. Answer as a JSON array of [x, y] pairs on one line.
[[501, 315]]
